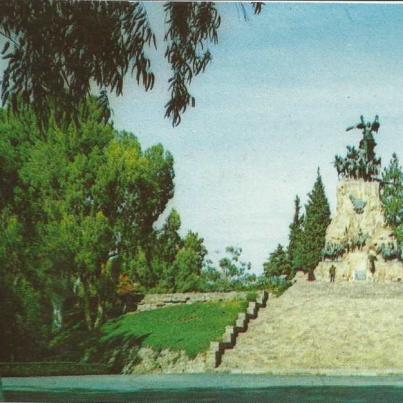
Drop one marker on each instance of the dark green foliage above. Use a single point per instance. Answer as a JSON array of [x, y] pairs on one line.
[[296, 230], [184, 274], [278, 263], [316, 221], [57, 51], [392, 196]]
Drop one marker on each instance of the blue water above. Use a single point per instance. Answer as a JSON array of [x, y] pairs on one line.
[[204, 388]]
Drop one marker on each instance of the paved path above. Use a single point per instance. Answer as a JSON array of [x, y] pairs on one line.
[[323, 328]]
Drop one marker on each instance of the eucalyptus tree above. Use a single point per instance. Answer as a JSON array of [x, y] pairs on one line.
[[60, 52]]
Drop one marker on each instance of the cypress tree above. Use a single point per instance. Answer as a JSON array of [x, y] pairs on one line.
[[317, 219], [296, 228]]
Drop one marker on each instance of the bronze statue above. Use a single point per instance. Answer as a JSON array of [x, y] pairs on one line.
[[361, 163], [367, 143]]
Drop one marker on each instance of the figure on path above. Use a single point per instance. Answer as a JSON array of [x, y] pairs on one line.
[[332, 273]]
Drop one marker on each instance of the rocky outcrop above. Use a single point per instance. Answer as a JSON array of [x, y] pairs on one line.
[[166, 361], [356, 235]]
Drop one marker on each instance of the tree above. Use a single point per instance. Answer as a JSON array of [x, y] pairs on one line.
[[169, 239], [278, 263], [186, 271], [23, 315], [392, 195], [316, 221], [86, 199], [58, 51], [296, 228], [233, 270]]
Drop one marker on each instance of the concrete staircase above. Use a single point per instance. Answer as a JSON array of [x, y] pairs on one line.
[[324, 328], [218, 348]]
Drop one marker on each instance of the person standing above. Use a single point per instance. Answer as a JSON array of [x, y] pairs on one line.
[[332, 273]]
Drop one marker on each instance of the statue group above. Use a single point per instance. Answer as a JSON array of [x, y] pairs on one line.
[[361, 163]]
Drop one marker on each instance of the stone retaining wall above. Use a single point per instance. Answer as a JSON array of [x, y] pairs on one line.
[[157, 301]]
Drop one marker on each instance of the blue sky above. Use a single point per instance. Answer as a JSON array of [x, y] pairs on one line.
[[271, 108]]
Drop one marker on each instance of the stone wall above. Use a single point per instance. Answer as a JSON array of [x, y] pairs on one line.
[[157, 301]]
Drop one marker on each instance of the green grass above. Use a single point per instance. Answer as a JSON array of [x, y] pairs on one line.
[[51, 369], [251, 296], [185, 327]]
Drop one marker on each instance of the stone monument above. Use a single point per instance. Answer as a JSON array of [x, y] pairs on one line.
[[359, 242]]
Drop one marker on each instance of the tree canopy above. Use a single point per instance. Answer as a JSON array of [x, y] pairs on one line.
[[58, 52]]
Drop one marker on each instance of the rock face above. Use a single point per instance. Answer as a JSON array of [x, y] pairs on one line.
[[355, 236], [166, 362]]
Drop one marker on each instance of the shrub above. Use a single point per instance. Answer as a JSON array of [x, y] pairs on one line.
[[332, 251], [390, 251]]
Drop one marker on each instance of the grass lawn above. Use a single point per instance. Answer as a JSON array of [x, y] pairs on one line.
[[184, 327]]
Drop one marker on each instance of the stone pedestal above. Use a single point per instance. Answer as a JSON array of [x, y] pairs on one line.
[[359, 215]]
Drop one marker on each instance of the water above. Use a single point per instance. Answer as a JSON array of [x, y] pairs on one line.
[[205, 388]]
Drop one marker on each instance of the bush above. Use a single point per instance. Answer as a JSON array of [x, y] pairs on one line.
[[332, 251], [390, 251]]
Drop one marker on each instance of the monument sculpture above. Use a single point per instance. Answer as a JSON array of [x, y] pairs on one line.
[[361, 163], [359, 243]]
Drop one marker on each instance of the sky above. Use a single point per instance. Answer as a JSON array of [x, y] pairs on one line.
[[271, 108]]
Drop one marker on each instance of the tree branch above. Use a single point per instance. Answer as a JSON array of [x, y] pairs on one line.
[[9, 38]]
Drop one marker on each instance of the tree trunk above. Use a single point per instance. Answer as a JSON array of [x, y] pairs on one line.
[[87, 307], [57, 313], [100, 313]]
